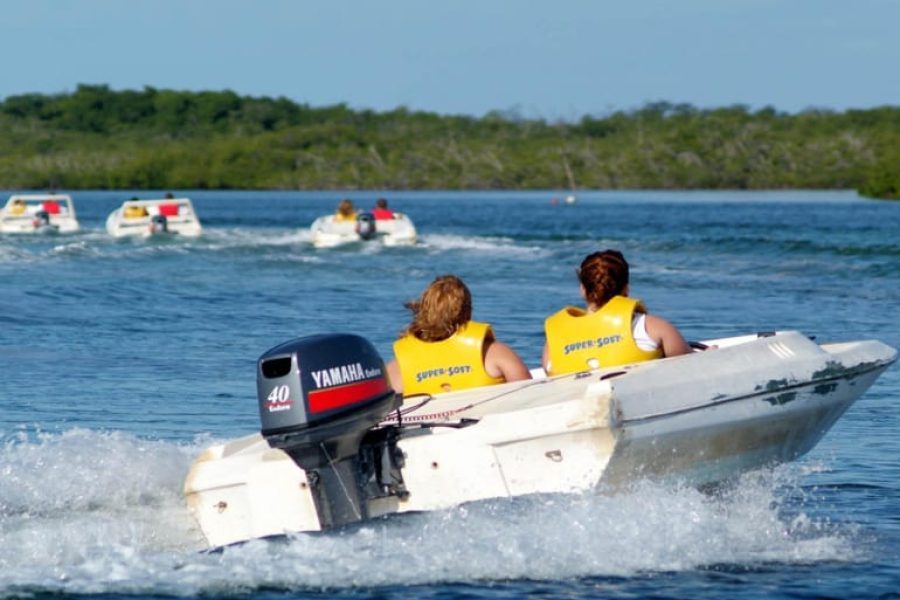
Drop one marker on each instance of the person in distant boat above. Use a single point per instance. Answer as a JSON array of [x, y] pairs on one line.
[[444, 350], [345, 211], [51, 207], [381, 212], [135, 212], [17, 207], [613, 330]]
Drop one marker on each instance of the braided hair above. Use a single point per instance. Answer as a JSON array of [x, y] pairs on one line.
[[603, 275]]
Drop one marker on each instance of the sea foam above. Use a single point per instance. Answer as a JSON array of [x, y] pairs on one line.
[[102, 512]]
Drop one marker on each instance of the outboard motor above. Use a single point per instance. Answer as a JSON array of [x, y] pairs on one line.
[[365, 226], [159, 224], [319, 397], [41, 219]]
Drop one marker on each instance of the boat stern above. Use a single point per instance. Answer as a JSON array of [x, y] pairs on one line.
[[245, 489]]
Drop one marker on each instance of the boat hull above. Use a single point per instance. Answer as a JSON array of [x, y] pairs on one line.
[[28, 227], [697, 419], [733, 437]]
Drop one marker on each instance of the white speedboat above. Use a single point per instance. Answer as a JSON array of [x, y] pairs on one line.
[[39, 213], [338, 447], [144, 218], [328, 232]]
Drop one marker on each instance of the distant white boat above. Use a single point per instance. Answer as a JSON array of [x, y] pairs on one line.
[[39, 213], [328, 231], [144, 218]]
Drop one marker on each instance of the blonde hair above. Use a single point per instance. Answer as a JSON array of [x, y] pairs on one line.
[[603, 275], [444, 307]]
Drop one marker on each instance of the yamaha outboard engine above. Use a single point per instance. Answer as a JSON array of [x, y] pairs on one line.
[[159, 224], [319, 396], [41, 219], [365, 226]]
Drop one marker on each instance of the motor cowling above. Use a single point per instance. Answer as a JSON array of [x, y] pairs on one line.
[[159, 224], [365, 226], [319, 396], [41, 219], [321, 387]]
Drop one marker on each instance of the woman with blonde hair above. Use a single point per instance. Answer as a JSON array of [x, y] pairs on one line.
[[613, 329], [444, 350], [345, 211]]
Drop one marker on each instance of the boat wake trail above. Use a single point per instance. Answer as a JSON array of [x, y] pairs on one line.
[[98, 512], [493, 246]]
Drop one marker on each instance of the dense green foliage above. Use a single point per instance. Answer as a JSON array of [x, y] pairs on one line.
[[162, 139]]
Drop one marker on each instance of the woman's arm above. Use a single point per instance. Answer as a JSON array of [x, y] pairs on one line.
[[501, 361], [393, 373], [667, 336]]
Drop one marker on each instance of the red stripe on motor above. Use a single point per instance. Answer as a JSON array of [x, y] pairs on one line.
[[336, 397]]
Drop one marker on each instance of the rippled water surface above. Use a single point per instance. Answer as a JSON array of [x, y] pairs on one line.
[[122, 359]]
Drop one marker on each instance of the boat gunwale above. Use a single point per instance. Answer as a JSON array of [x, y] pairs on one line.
[[851, 373]]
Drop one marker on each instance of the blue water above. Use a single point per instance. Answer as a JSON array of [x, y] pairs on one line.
[[122, 359]]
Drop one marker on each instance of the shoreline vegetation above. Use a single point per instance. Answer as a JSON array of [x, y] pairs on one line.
[[98, 138]]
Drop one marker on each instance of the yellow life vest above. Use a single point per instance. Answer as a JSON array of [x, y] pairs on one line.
[[135, 212], [453, 364], [578, 340], [343, 217]]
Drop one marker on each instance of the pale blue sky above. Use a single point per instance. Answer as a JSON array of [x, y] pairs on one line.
[[554, 59]]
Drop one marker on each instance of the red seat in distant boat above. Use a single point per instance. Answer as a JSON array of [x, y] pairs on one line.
[[168, 210], [51, 207]]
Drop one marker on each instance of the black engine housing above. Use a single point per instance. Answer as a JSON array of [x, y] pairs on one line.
[[319, 396]]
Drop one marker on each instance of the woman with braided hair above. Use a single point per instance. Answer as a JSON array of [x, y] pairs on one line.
[[613, 329]]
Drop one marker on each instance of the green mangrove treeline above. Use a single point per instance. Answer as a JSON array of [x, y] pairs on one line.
[[96, 138]]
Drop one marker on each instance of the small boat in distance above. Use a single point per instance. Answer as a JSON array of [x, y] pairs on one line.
[[329, 231], [39, 213], [337, 446], [144, 218]]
